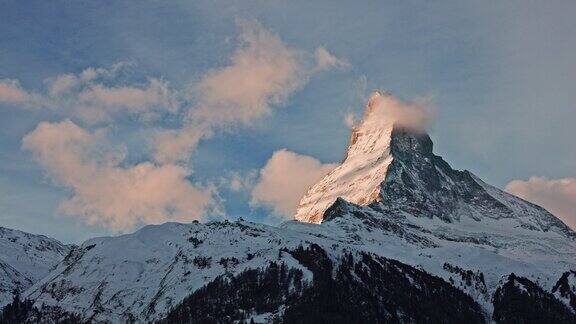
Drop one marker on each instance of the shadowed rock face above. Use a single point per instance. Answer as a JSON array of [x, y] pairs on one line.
[[565, 289], [424, 185]]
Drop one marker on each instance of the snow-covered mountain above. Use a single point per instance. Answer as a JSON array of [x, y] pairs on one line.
[[143, 276], [393, 169], [392, 209], [24, 259]]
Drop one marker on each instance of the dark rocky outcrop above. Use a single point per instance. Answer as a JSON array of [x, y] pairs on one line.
[[565, 290], [520, 300]]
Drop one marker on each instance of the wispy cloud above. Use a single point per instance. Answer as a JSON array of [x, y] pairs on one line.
[[100, 102], [241, 182], [556, 195], [263, 72], [285, 179], [350, 120], [105, 192], [95, 95], [12, 92], [326, 60], [415, 115]]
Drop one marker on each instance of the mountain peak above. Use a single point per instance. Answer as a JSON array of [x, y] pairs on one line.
[[24, 259], [368, 156], [390, 165], [390, 160], [373, 101]]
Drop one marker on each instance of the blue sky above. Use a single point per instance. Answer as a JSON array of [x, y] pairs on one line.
[[501, 77]]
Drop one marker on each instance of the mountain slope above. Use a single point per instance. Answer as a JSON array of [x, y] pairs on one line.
[[24, 259], [359, 288], [143, 276]]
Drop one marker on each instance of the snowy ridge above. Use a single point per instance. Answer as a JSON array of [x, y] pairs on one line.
[[24, 259], [143, 275]]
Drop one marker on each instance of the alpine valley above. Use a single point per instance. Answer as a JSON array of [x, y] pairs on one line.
[[393, 234]]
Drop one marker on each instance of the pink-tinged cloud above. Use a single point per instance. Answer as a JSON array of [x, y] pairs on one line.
[[326, 60], [556, 195], [415, 115], [62, 84], [105, 192], [172, 146], [350, 120], [262, 72], [12, 92], [139, 99], [95, 95], [285, 179]]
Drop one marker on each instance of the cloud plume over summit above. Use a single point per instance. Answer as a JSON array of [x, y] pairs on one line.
[[415, 115]]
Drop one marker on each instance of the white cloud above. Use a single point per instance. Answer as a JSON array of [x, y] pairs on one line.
[[326, 60], [556, 195], [91, 73], [171, 146], [415, 115], [156, 95], [95, 95], [105, 192], [285, 179], [12, 92], [240, 182], [350, 120], [131, 97], [261, 75], [62, 84], [263, 72]]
